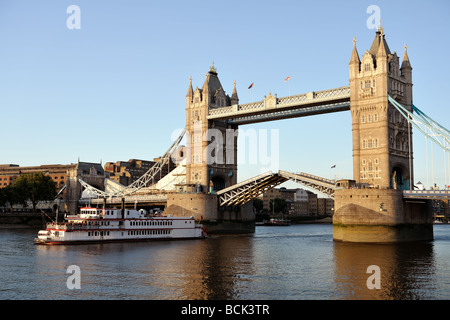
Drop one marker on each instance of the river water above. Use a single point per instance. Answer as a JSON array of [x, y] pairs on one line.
[[275, 263]]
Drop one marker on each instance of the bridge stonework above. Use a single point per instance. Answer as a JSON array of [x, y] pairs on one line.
[[211, 153], [382, 149], [374, 210]]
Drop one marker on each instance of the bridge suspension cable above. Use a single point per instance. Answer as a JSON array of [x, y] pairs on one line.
[[144, 180], [430, 129], [437, 133]]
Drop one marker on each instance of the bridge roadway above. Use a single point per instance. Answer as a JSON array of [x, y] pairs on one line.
[[249, 189], [427, 194], [234, 195], [273, 108]]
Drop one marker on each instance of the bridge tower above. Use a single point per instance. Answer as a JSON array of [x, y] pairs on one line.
[[382, 154], [211, 145], [211, 162], [382, 138]]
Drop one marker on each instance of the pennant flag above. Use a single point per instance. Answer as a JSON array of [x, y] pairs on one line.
[[333, 167], [289, 76], [251, 86]]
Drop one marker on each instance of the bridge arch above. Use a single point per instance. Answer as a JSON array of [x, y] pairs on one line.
[[217, 184], [400, 177]]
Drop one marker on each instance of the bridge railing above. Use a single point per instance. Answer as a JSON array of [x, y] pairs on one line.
[[280, 103], [443, 194]]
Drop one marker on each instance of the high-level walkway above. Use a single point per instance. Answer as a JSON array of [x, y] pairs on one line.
[[273, 108]]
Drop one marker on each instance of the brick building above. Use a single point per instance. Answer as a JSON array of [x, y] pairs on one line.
[[126, 172], [299, 202]]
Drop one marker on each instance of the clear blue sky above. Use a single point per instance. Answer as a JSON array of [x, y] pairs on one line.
[[115, 89]]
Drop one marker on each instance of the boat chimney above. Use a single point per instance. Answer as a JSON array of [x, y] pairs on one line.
[[123, 208]]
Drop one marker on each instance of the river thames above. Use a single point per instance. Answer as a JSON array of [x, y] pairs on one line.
[[298, 262]]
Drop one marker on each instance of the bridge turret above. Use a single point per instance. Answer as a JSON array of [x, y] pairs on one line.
[[234, 95], [382, 150], [190, 93], [406, 74], [355, 62], [212, 145]]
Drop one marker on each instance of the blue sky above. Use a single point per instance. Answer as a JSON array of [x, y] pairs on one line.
[[115, 89]]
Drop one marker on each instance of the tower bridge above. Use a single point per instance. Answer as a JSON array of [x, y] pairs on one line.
[[379, 97]]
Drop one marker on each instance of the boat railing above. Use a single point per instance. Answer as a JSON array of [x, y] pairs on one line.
[[73, 226]]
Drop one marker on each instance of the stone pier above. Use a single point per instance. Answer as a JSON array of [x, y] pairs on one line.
[[205, 209], [380, 216]]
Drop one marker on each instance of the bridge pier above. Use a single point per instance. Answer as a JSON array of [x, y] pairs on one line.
[[206, 210], [380, 216]]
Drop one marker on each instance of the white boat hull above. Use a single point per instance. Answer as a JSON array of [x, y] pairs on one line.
[[102, 225]]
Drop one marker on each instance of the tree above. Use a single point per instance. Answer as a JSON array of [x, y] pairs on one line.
[[11, 195], [36, 187], [3, 199]]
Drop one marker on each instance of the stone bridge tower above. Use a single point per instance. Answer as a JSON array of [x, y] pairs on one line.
[[211, 145], [382, 154], [382, 138], [211, 162]]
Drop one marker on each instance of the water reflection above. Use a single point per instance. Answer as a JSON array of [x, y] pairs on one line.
[[199, 269], [217, 266], [407, 270], [291, 263]]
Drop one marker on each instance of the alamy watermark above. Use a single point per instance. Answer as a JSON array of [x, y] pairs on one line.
[[374, 280], [74, 20], [74, 280], [374, 19], [214, 146]]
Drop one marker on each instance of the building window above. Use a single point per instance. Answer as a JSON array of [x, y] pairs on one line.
[[363, 119]]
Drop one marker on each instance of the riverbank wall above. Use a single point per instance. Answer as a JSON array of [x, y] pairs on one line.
[[25, 219]]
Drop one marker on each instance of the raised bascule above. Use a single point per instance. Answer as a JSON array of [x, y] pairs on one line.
[[377, 205]]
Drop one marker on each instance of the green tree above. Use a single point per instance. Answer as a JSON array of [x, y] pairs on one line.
[[3, 198], [35, 187], [11, 195]]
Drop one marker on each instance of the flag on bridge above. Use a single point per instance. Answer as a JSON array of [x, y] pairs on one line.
[[288, 78], [251, 86]]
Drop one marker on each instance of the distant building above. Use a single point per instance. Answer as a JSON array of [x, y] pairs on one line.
[[299, 202], [58, 172], [65, 176], [126, 172]]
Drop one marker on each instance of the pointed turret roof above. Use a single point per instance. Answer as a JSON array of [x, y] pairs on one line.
[[234, 95], [383, 49], [212, 82], [190, 92], [355, 56], [406, 63], [379, 38]]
